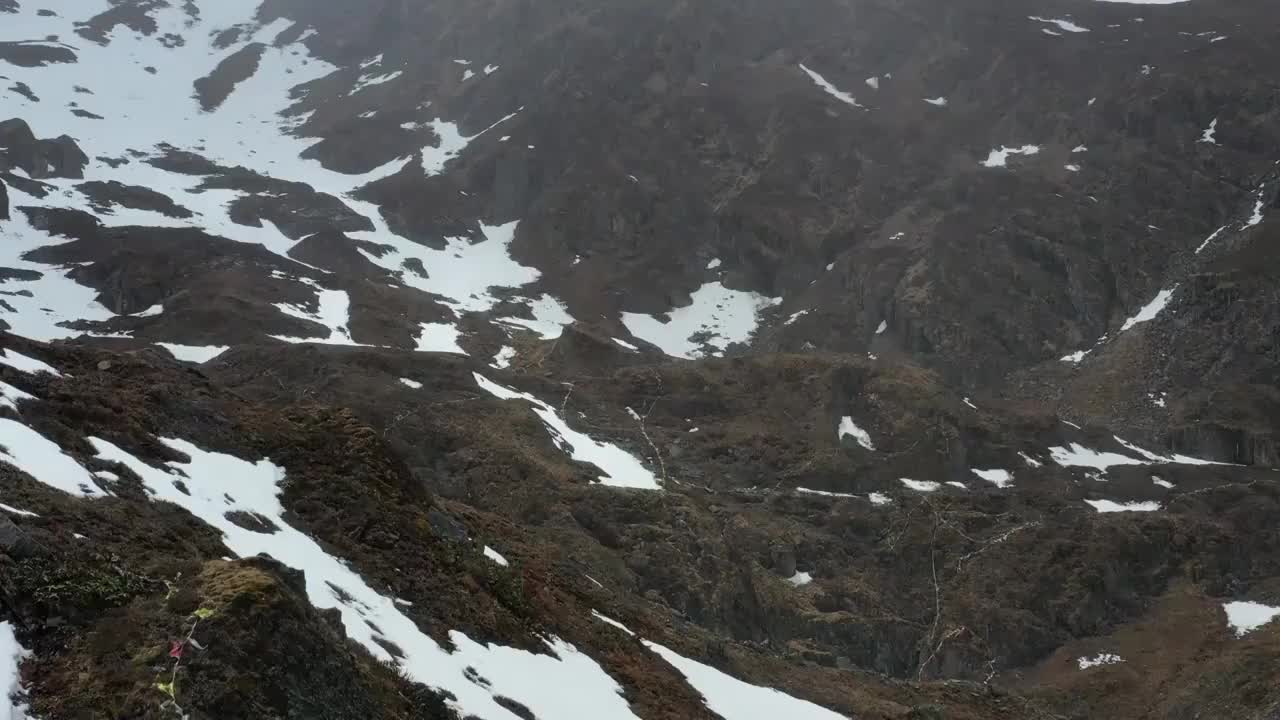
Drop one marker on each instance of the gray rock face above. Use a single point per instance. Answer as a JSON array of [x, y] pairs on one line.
[[59, 157], [63, 157], [19, 145], [299, 214], [104, 195], [214, 89], [446, 526], [784, 560], [15, 542], [26, 54]]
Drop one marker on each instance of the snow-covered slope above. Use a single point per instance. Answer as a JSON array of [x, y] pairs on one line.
[[427, 337]]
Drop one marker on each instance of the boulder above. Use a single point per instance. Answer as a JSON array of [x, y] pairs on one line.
[[16, 542], [20, 147]]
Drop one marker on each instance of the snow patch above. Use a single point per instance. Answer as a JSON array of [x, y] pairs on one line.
[[795, 316], [879, 499], [849, 429], [1160, 482], [1066, 25], [22, 363], [333, 310], [1174, 459], [1244, 617], [1099, 659], [549, 317], [1210, 239], [370, 80], [452, 143], [1110, 506], [733, 699], [194, 353], [463, 273], [150, 312], [1151, 309], [824, 493], [10, 395], [39, 457], [620, 468], [830, 89], [717, 316], [920, 485], [1000, 156], [800, 578], [41, 308], [610, 621], [439, 337], [1076, 455], [884, 325], [1209, 134], [725, 695], [11, 691], [1256, 217], [495, 556], [937, 102], [20, 513], [1000, 478], [503, 359], [414, 384]]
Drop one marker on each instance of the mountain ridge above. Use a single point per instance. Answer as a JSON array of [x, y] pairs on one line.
[[874, 359]]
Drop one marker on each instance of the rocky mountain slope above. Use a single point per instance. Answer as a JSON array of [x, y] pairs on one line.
[[849, 359]]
